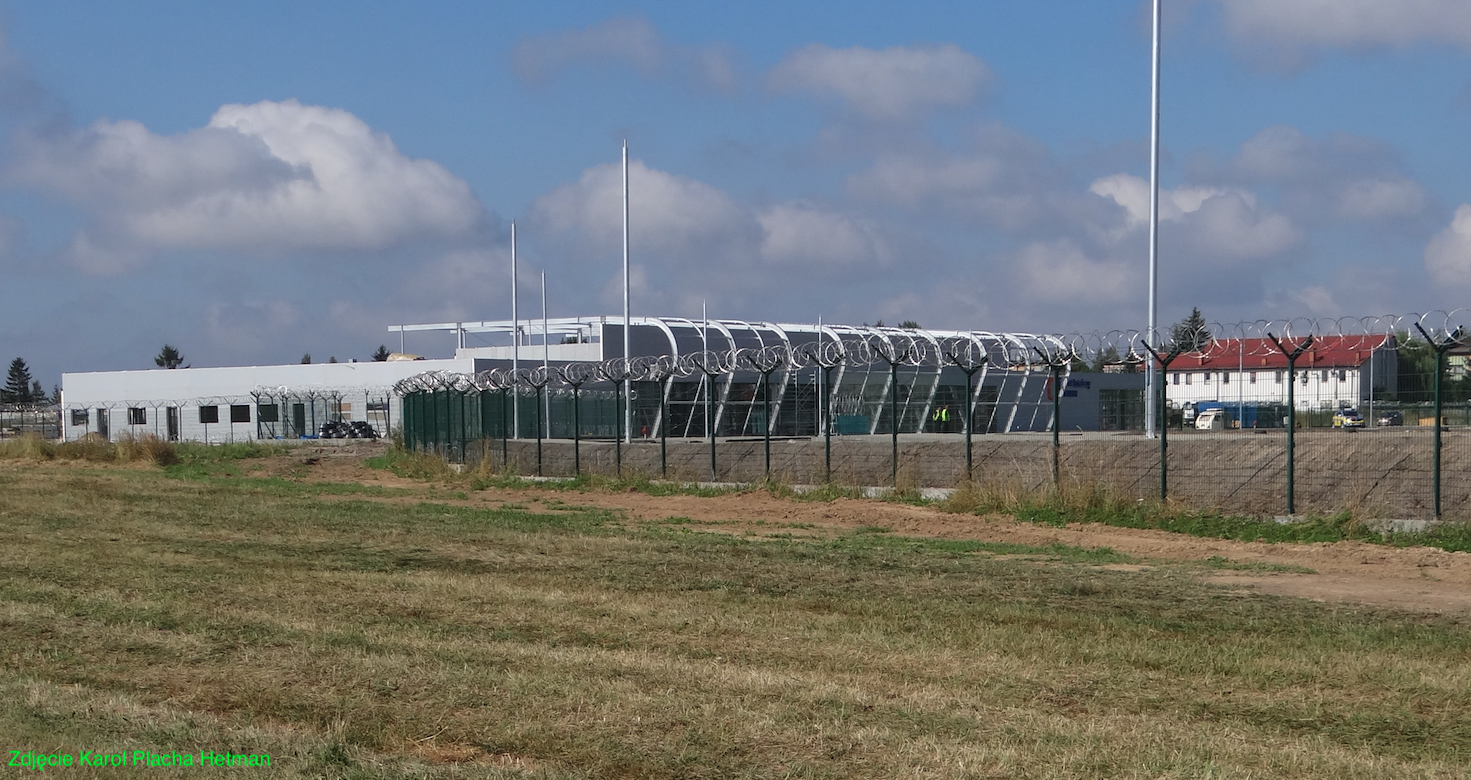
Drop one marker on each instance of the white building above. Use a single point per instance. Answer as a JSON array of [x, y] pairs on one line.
[[237, 403], [1335, 371]]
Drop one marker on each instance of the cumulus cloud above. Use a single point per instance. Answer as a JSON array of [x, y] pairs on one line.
[[264, 177], [1002, 178], [626, 42], [1284, 33], [669, 214], [1061, 272], [807, 233], [1211, 221], [897, 83], [1448, 256]]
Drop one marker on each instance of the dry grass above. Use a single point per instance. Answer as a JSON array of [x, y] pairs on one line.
[[368, 639], [145, 449]]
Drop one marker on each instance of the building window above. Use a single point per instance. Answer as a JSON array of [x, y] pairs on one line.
[[209, 414], [1342, 375], [268, 413], [1325, 375], [1253, 378], [240, 413], [137, 416], [79, 417], [1225, 378], [1187, 377], [1279, 376], [1305, 377], [1177, 377]]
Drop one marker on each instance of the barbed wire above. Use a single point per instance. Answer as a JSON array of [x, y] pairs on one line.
[[912, 348]]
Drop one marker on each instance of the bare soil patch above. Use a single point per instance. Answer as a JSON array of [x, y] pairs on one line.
[[1413, 578]]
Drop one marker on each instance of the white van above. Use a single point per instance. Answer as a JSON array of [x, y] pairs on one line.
[[1213, 420]]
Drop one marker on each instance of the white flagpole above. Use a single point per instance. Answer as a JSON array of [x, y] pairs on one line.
[[546, 355], [515, 343], [627, 323], [1153, 377]]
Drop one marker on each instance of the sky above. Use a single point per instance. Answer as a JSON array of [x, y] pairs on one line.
[[250, 182]]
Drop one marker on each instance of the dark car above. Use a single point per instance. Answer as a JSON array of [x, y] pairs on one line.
[[1391, 418]]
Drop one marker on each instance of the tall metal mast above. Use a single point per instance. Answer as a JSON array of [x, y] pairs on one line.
[[627, 323], [546, 354], [515, 343], [1153, 376]]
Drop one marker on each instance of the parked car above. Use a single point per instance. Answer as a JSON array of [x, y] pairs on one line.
[[1213, 420], [1391, 417], [1348, 418]]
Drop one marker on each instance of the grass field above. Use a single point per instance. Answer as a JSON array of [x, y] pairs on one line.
[[355, 631]]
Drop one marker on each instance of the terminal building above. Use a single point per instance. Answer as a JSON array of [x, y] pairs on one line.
[[1010, 393]]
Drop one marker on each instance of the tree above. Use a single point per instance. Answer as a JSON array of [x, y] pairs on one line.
[[1191, 334], [332, 359], [38, 393], [909, 325], [1108, 357], [18, 383], [169, 357], [382, 353], [307, 358]]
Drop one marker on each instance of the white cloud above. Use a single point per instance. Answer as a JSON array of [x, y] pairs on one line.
[[264, 177], [1283, 33], [1350, 22], [1132, 193], [669, 215], [891, 84], [1448, 256], [1004, 178], [806, 233], [633, 43], [1060, 272], [1212, 221], [1338, 177]]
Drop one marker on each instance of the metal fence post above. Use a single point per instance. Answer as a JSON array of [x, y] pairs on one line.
[[1292, 356]]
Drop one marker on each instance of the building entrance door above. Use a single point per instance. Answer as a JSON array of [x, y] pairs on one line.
[[173, 423]]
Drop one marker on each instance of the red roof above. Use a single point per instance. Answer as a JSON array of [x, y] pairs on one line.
[[1249, 354]]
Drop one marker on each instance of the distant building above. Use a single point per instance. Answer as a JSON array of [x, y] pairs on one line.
[[1008, 394], [1336, 371]]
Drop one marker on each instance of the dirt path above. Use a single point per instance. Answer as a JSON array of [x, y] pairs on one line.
[[1421, 579]]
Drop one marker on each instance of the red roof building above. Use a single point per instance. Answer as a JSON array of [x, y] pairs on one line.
[[1335, 371]]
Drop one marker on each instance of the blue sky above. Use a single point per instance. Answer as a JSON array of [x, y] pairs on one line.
[[251, 182]]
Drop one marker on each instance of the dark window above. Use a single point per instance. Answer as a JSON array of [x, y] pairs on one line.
[[137, 416], [79, 417], [209, 414], [267, 413], [240, 413], [1225, 378]]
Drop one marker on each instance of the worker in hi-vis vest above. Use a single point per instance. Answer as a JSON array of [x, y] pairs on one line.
[[942, 415]]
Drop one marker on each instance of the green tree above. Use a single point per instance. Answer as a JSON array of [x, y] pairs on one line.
[[1108, 357], [169, 357], [332, 359], [382, 353], [17, 383], [909, 325], [307, 358], [1191, 334]]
